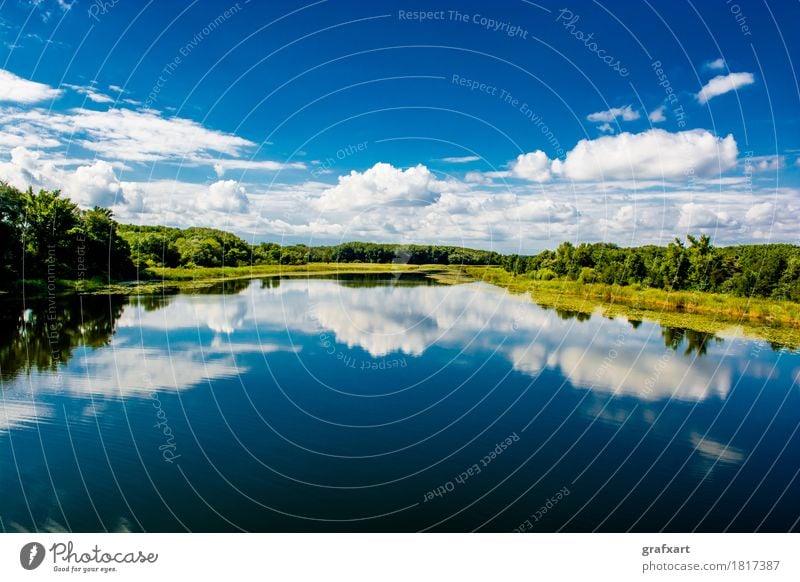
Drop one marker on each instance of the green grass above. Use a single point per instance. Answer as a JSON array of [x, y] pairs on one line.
[[157, 280], [775, 321], [248, 272]]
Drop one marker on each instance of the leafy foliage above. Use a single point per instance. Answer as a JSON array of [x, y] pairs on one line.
[[45, 235], [771, 270]]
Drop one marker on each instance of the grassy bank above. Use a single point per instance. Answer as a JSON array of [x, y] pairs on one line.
[[167, 280], [255, 271], [774, 321], [157, 280]]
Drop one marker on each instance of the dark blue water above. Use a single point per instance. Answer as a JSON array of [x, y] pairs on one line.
[[386, 404]]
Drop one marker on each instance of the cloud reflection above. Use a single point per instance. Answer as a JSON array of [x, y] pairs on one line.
[[601, 354]]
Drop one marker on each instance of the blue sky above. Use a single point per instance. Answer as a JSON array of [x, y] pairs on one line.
[[511, 126]]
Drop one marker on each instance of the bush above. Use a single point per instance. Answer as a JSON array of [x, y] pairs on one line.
[[587, 275], [546, 275]]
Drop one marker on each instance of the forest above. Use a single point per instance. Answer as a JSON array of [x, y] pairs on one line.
[[45, 236], [766, 270]]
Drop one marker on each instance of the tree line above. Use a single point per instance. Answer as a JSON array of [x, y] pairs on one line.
[[43, 235], [766, 270], [160, 246]]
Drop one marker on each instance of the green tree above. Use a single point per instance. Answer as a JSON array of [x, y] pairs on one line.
[[48, 229], [11, 211], [102, 250]]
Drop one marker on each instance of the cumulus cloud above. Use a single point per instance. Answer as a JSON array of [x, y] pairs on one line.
[[95, 185], [760, 214], [544, 211], [764, 163], [88, 185], [724, 84], [630, 218], [26, 168], [651, 154], [657, 114], [626, 113], [225, 196], [383, 185], [14, 89], [606, 128], [533, 166], [716, 65], [697, 216]]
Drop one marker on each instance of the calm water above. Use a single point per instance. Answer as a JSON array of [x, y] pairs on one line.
[[386, 403]]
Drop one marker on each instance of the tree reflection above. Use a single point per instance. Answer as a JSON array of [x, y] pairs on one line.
[[43, 333], [696, 341], [567, 314]]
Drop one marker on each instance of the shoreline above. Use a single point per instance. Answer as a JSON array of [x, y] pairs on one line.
[[774, 321]]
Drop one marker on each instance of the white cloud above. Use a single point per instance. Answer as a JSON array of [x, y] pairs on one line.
[[543, 211], [14, 89], [533, 166], [461, 160], [723, 84], [95, 185], [764, 163], [225, 196], [128, 135], [626, 113], [91, 94], [20, 135], [651, 154], [631, 219], [716, 65], [25, 168], [88, 185], [697, 216], [383, 185], [657, 114], [606, 128], [222, 165], [760, 214], [124, 134]]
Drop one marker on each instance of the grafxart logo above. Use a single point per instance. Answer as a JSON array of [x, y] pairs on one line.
[[31, 555]]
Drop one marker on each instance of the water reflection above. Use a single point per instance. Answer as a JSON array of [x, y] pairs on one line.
[[41, 334], [381, 314], [696, 341], [304, 389]]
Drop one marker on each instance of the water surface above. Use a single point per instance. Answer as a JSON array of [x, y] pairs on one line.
[[385, 403]]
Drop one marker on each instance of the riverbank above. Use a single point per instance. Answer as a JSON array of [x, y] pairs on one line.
[[158, 280], [771, 320]]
